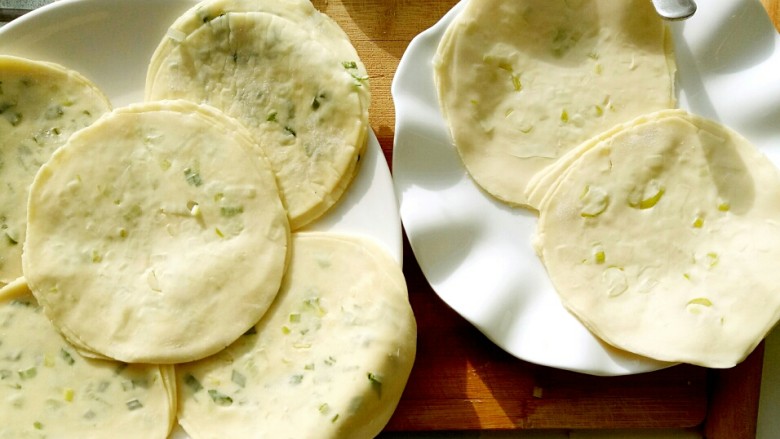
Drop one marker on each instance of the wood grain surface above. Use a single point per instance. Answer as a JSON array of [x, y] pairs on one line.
[[462, 381]]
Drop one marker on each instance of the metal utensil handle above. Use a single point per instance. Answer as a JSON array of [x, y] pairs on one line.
[[675, 9]]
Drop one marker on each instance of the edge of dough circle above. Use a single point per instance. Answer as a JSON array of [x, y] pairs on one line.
[[167, 244]]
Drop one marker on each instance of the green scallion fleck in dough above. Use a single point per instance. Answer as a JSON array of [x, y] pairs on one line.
[[220, 398], [193, 177]]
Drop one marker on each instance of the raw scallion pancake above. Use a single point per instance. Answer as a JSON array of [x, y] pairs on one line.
[[41, 105], [48, 390], [330, 359], [663, 239], [522, 82], [303, 102], [156, 234]]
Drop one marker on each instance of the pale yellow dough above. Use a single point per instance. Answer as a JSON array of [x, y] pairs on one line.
[[663, 237], [48, 390], [289, 76], [329, 360], [156, 234], [41, 105], [520, 83]]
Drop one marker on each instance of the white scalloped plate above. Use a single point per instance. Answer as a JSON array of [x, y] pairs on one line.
[[476, 252]]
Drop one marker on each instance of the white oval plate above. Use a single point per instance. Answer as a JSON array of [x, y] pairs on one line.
[[476, 252], [112, 41]]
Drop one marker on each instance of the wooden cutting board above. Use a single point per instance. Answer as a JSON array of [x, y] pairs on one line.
[[462, 381]]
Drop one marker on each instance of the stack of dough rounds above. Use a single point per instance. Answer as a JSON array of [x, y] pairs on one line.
[[158, 267], [290, 75], [520, 83], [329, 360], [49, 390], [662, 238], [166, 244], [41, 105]]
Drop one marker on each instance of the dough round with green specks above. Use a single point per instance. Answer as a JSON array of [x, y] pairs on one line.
[[41, 105], [520, 83], [663, 239], [49, 390], [330, 359], [302, 101], [157, 234]]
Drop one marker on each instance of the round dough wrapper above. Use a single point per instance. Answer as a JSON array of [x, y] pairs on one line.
[[663, 239], [301, 102], [164, 246], [521, 83], [49, 390], [41, 105], [329, 360], [302, 12]]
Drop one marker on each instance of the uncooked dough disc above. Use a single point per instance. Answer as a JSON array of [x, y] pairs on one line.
[[156, 234], [664, 239], [329, 360], [520, 83]]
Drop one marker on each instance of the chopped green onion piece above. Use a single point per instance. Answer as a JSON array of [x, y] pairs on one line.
[[324, 408], [518, 86], [295, 317], [238, 378], [193, 177], [565, 116], [724, 207], [698, 223], [376, 383], [335, 418], [28, 373], [11, 239], [220, 398], [285, 330], [67, 357], [595, 201], [700, 301], [142, 383], [290, 131], [713, 259], [193, 383], [134, 404], [271, 117], [349, 64], [219, 232], [647, 197], [296, 379], [37, 425], [652, 201], [231, 211]]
